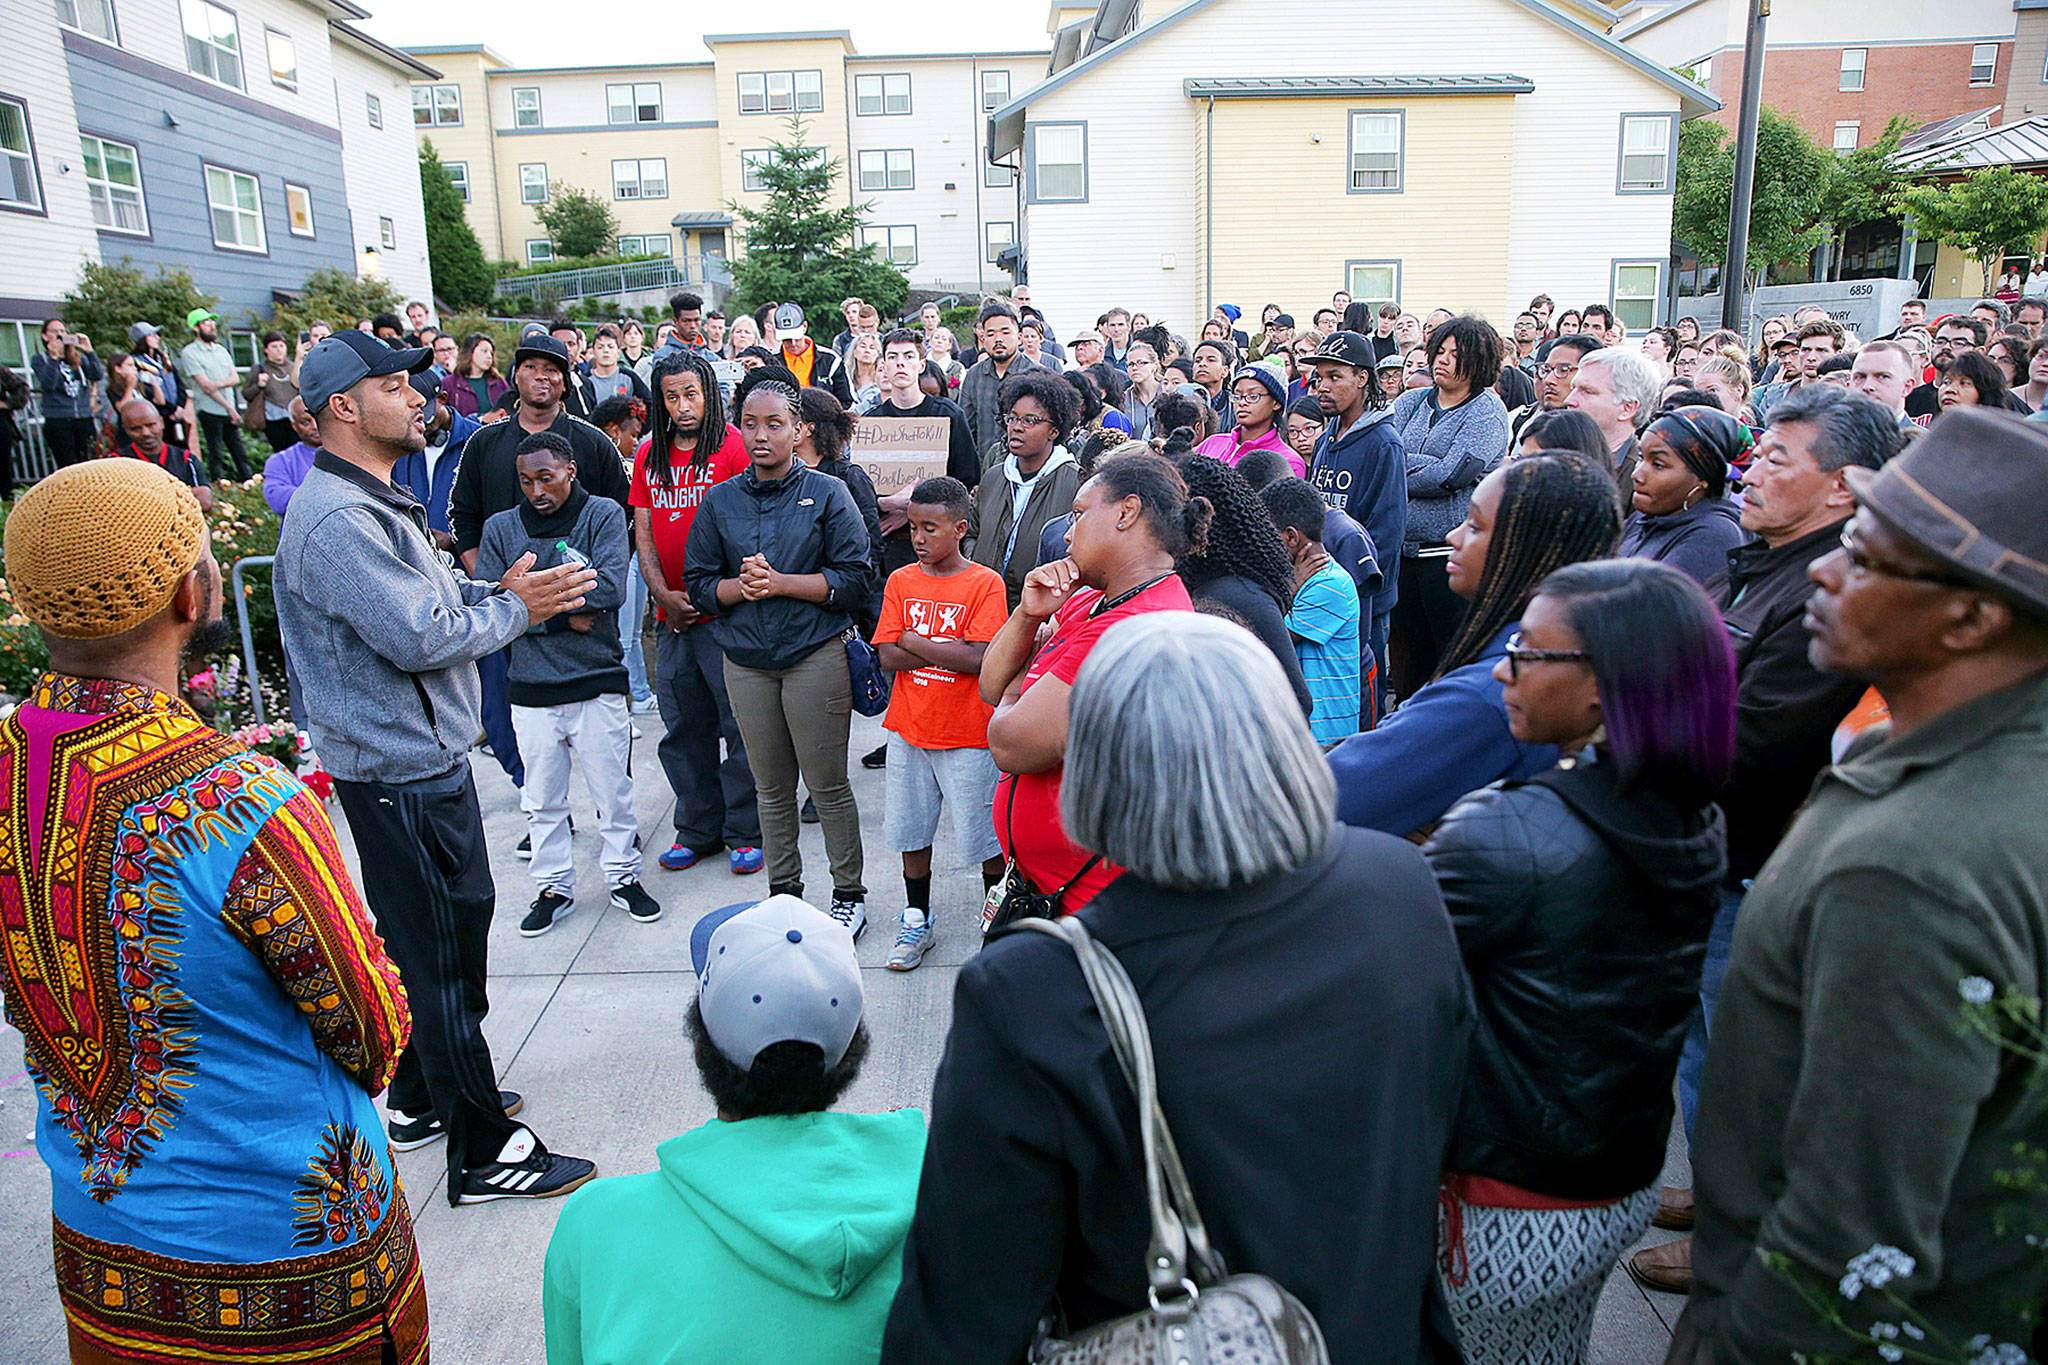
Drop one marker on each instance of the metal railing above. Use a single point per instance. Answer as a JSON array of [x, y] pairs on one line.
[[32, 457], [621, 279], [248, 634]]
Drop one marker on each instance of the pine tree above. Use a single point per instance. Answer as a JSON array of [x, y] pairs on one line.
[[462, 278], [799, 247]]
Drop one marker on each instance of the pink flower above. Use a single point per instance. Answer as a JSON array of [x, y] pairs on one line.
[[201, 681]]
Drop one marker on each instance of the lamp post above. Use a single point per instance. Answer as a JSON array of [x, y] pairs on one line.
[[1735, 274]]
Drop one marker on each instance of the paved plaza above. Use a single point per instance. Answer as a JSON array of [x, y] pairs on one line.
[[587, 1024]]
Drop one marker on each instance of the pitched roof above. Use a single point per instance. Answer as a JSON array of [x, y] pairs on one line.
[[1359, 87], [2021, 143]]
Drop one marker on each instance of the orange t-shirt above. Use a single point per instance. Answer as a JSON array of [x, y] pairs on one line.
[[936, 708], [801, 361]]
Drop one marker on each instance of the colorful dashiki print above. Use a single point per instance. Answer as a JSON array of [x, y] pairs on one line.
[[208, 1011]]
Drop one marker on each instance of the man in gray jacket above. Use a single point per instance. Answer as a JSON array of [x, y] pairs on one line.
[[385, 637]]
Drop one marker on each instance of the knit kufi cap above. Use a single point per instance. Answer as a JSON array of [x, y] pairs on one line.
[[99, 547]]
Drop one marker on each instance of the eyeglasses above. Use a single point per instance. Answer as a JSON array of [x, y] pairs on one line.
[[1862, 561], [1517, 656], [1012, 420], [1556, 371]]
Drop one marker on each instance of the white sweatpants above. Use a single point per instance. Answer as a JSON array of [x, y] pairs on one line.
[[599, 734]]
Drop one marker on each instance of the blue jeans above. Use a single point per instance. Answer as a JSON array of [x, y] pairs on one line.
[[631, 615], [1693, 1057], [492, 671]]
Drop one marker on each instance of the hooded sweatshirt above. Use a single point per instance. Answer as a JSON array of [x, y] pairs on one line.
[[776, 1239], [1010, 512], [1695, 541], [1582, 910]]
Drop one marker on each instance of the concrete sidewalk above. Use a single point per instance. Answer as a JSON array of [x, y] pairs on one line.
[[586, 1023]]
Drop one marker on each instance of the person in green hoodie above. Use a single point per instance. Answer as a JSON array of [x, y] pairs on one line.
[[773, 1233]]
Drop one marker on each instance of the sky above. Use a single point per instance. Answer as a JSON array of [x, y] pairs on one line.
[[548, 33]]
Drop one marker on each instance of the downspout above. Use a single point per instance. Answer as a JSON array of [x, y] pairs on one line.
[[1209, 209]]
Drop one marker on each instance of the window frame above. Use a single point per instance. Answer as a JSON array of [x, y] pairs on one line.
[[271, 38], [817, 91], [461, 183], [762, 156], [1862, 70], [882, 96], [545, 245], [632, 89], [888, 241], [986, 106], [105, 8], [292, 227], [189, 8], [639, 165], [526, 166], [213, 229], [373, 109], [1351, 153], [1032, 193], [1372, 263], [1990, 75], [888, 157], [760, 95], [989, 249], [788, 92], [997, 175], [1656, 297], [434, 119], [1854, 127], [1669, 181], [41, 207], [518, 113], [387, 234], [140, 191], [668, 238]]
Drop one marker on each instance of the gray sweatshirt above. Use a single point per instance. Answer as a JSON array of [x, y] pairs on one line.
[[554, 663], [382, 634]]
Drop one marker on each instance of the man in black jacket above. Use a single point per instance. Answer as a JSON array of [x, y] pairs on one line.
[[1786, 710]]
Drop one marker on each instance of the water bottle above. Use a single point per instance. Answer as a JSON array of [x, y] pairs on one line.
[[571, 555]]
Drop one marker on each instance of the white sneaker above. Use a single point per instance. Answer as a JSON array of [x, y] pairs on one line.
[[852, 914], [913, 941]]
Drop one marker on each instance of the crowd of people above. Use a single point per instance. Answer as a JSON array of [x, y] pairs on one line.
[[1465, 741]]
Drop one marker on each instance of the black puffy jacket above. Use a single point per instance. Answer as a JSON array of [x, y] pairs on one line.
[[1582, 914]]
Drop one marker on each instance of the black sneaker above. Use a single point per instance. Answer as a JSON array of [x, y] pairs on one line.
[[634, 900], [523, 850], [551, 906], [540, 1174], [407, 1132], [809, 813], [879, 758]]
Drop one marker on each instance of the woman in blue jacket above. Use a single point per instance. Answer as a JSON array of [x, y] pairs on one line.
[[1526, 519], [778, 557]]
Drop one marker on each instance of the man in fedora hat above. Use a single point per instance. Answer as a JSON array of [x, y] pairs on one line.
[[1849, 1122]]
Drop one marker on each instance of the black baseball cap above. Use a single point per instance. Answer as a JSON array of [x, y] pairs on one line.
[[346, 358], [540, 346], [1344, 348]]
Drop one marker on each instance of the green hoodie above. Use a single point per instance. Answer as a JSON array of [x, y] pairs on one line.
[[771, 1239]]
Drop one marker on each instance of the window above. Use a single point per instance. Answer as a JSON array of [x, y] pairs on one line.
[[639, 103], [458, 176], [387, 233], [887, 170], [810, 92], [1846, 135], [898, 244], [1058, 163], [284, 59], [237, 209], [653, 244], [242, 346], [1647, 153], [881, 94], [88, 16], [374, 110], [533, 183], [1373, 282], [997, 238], [997, 175], [298, 210], [995, 90], [782, 92], [753, 93], [526, 107], [1638, 290], [647, 179], [19, 187], [1376, 151], [751, 166], [213, 45], [113, 182], [1983, 63], [1703, 70], [1853, 59], [539, 251], [436, 106]]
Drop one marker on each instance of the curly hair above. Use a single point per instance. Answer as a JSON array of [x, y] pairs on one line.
[[1051, 392], [831, 423], [787, 1078], [1242, 541]]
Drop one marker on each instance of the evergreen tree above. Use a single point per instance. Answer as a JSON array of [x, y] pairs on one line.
[[799, 246], [461, 276]]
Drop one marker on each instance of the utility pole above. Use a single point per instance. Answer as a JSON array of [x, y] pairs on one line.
[[1735, 275]]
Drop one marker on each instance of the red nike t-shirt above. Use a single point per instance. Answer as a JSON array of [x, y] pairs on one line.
[[673, 507]]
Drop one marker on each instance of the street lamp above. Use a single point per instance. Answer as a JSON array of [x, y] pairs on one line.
[[372, 262]]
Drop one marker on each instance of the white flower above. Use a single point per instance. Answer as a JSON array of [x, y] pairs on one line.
[[1913, 1331], [1875, 1269], [1975, 990], [1884, 1331], [2004, 1353], [1890, 1352]]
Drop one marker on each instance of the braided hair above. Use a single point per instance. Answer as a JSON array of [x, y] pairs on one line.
[[1242, 542], [1555, 509], [778, 379], [660, 428]]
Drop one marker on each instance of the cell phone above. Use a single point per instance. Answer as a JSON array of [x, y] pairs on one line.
[[305, 337]]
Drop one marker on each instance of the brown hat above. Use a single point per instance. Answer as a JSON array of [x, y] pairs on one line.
[[1969, 493], [99, 547]]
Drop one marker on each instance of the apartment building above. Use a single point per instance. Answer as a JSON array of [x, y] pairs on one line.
[[674, 146], [249, 142]]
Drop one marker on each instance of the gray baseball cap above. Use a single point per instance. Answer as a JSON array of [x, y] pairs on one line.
[[775, 972], [788, 317], [348, 357], [138, 330]]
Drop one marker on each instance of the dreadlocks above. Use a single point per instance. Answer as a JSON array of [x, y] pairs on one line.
[[1555, 509], [1242, 541], [661, 433]]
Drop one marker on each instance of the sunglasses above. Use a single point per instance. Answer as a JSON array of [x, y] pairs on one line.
[[1518, 655]]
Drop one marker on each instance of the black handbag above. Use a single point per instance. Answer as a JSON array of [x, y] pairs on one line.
[[1014, 897], [864, 670]]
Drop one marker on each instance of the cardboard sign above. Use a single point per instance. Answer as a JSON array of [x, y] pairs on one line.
[[900, 452]]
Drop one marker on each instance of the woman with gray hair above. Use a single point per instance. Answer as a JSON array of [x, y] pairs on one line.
[[1307, 1011]]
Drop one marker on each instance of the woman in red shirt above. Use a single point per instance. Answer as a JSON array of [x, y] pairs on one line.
[[1131, 520]]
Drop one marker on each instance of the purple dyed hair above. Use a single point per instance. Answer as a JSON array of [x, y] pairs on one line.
[[1664, 667]]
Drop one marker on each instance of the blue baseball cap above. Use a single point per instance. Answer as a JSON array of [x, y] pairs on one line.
[[346, 358]]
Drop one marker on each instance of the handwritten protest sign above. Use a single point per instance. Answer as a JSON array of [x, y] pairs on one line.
[[899, 452]]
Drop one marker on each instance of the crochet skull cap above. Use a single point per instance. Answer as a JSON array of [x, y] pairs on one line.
[[99, 547]]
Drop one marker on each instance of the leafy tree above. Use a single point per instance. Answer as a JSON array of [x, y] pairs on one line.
[[335, 297], [1989, 214], [1864, 185], [111, 295], [1792, 173], [800, 246], [578, 222], [461, 276]]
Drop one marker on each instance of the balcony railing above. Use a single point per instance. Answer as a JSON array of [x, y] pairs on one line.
[[602, 280]]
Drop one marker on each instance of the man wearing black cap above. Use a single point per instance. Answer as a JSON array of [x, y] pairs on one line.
[[1361, 469], [1858, 1111]]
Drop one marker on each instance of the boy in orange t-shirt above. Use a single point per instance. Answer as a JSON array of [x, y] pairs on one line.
[[938, 616]]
